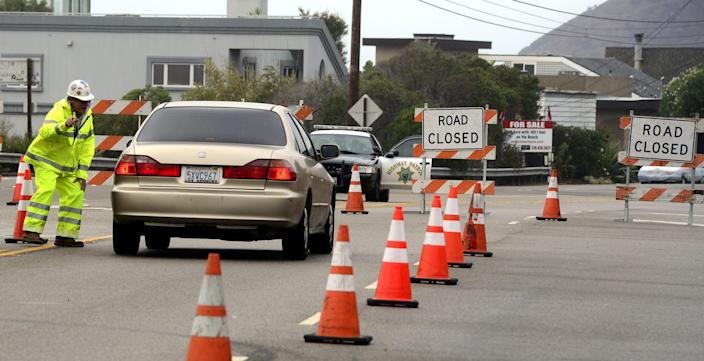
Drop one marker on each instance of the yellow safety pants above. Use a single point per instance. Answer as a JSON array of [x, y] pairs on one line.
[[48, 180]]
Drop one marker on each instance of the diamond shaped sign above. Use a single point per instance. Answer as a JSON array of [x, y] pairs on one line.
[[365, 111]]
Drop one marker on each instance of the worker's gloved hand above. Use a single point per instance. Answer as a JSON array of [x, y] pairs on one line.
[[70, 122], [82, 182]]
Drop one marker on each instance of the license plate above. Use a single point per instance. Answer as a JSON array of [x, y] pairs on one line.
[[208, 175]]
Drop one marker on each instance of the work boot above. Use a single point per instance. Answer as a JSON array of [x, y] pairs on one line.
[[67, 242], [33, 238]]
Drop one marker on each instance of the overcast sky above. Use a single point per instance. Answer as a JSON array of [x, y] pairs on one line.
[[394, 18]]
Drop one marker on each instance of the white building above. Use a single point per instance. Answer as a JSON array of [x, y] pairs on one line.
[[118, 53]]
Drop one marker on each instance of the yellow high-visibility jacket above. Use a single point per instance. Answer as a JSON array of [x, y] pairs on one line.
[[61, 147]]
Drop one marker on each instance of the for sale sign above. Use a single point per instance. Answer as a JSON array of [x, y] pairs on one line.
[[529, 136], [453, 128], [664, 139]]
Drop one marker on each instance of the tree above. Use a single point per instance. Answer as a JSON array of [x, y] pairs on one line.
[[335, 24], [25, 6], [683, 95], [227, 84]]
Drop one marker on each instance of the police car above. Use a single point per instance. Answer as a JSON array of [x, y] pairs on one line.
[[378, 172]]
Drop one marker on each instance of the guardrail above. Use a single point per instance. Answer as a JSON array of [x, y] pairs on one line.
[[98, 163], [447, 173]]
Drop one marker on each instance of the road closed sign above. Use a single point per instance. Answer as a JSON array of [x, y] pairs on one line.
[[662, 139], [453, 128]]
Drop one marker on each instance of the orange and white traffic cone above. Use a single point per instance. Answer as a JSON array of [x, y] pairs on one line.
[[453, 233], [551, 211], [22, 207], [21, 167], [394, 284], [354, 194], [339, 322], [210, 337], [474, 236], [433, 259]]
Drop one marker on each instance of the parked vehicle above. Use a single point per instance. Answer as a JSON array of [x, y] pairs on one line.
[[659, 174], [225, 170], [400, 168]]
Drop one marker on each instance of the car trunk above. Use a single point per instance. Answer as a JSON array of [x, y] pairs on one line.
[[203, 158]]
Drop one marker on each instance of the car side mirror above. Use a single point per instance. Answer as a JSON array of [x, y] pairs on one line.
[[391, 154], [128, 143], [329, 151], [376, 150]]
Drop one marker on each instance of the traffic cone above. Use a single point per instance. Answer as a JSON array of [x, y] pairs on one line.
[[453, 233], [474, 235], [339, 322], [551, 211], [21, 167], [210, 337], [26, 195], [354, 194], [433, 260], [394, 284]]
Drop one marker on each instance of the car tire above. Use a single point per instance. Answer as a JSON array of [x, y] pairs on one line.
[[384, 195], [324, 242], [295, 241], [157, 241], [373, 194], [125, 239]]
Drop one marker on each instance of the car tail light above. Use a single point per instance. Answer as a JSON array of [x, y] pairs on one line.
[[131, 165], [270, 169]]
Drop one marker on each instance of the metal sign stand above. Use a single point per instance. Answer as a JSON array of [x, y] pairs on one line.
[[425, 175], [627, 134]]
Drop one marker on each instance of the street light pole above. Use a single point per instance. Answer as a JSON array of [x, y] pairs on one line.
[[354, 52]]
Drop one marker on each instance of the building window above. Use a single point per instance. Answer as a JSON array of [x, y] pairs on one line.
[[249, 67], [321, 70], [177, 74], [525, 68], [289, 71]]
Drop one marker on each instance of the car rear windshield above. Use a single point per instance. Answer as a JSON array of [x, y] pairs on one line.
[[214, 125]]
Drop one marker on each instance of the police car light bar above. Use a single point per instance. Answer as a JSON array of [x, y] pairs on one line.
[[341, 127]]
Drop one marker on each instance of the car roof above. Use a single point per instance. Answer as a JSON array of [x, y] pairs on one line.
[[342, 132], [222, 104]]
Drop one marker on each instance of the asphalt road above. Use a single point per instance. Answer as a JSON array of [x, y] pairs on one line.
[[591, 288]]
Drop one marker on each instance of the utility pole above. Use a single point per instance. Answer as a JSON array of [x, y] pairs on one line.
[[354, 52]]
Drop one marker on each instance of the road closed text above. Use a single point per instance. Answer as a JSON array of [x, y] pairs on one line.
[[453, 129], [662, 139]]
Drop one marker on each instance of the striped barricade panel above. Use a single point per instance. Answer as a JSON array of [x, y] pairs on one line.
[[442, 186], [656, 194], [122, 107], [624, 159], [100, 177], [625, 123], [488, 153], [490, 116], [111, 142]]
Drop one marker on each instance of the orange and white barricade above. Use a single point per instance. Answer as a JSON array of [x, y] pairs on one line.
[[442, 186], [658, 194], [488, 153], [121, 107]]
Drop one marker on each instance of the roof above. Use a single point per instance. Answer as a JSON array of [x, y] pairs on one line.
[[441, 43], [342, 132], [178, 25], [643, 84]]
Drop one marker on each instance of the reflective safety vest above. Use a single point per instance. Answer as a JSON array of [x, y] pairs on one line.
[[65, 149]]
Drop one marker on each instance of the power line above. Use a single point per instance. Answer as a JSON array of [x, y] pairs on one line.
[[607, 18], [664, 25], [522, 29]]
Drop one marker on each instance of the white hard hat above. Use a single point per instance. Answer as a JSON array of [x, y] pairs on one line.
[[80, 90]]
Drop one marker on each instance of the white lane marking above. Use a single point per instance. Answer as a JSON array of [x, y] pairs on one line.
[[674, 214], [372, 286], [666, 222], [528, 217], [417, 263], [240, 358], [513, 222], [312, 320], [577, 212], [591, 211]]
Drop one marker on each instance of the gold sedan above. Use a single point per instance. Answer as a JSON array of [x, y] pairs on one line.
[[225, 170]]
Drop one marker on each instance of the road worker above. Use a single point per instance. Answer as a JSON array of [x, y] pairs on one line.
[[61, 155]]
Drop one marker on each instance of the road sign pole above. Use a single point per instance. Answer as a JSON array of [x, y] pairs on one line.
[[364, 111], [30, 72], [691, 200], [425, 175], [628, 170]]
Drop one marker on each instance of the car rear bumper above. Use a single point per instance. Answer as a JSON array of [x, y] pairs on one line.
[[245, 210]]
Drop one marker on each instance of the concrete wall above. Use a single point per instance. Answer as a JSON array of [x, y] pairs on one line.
[[604, 86]]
